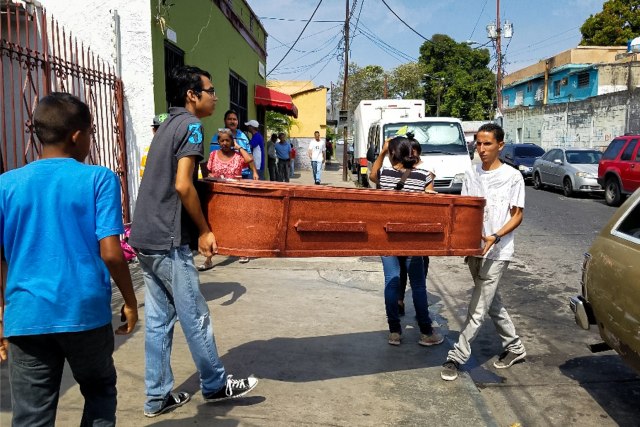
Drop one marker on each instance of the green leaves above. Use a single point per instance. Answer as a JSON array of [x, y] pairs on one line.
[[618, 22]]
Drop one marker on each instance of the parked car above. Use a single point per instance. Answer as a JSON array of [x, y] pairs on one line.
[[521, 157], [619, 169], [610, 282], [575, 170]]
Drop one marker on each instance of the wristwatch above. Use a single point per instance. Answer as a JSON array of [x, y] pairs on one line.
[[498, 238]]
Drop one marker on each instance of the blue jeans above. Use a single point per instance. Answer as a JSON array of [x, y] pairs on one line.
[[36, 363], [415, 270], [317, 171], [172, 293]]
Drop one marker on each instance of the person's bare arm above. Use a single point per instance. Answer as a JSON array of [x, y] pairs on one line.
[[517, 214], [111, 254], [191, 202], [377, 165]]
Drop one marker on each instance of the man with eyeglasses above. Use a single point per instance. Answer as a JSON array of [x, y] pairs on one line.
[[167, 212]]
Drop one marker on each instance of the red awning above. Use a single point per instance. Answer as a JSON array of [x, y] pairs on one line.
[[275, 101]]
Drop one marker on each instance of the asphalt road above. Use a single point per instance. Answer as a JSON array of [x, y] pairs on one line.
[[562, 383]]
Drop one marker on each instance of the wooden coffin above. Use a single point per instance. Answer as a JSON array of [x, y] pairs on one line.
[[272, 219]]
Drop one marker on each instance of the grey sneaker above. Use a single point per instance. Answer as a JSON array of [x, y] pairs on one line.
[[450, 370], [173, 401], [508, 358], [232, 389], [429, 340], [394, 338]]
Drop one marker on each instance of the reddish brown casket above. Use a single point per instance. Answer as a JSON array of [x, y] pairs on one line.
[[272, 219]]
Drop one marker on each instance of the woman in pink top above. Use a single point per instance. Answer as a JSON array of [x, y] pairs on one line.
[[226, 163]]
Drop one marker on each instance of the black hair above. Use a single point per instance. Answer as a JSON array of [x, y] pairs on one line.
[[231, 112], [274, 136], [493, 128], [183, 79], [415, 145], [58, 115], [400, 152]]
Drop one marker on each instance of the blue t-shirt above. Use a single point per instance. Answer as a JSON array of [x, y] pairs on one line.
[[283, 150], [243, 142], [53, 214], [258, 142]]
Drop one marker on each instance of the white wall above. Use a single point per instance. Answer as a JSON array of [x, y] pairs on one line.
[[91, 21]]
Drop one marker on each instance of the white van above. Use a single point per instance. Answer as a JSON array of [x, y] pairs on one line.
[[444, 149]]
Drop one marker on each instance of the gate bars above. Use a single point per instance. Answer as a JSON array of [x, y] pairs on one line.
[[37, 57]]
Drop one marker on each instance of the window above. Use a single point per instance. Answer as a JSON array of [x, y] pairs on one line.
[[556, 88], [519, 98], [529, 151], [238, 96], [613, 149], [583, 79], [173, 57], [628, 151], [630, 224], [529, 87]]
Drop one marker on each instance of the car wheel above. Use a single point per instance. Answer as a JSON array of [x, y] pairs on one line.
[[567, 187], [537, 182], [612, 193]]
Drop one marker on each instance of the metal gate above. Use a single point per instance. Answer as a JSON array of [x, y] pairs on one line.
[[37, 57]]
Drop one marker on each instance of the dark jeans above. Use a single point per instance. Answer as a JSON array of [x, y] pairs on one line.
[[36, 363], [403, 277], [283, 170], [271, 165]]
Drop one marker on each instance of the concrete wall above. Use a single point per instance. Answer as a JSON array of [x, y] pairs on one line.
[[590, 123], [91, 22]]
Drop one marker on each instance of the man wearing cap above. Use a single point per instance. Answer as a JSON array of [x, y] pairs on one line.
[[257, 146]]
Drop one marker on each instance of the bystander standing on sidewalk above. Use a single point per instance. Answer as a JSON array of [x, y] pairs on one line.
[[58, 308], [167, 209], [272, 158], [257, 146], [283, 152], [317, 154], [503, 188]]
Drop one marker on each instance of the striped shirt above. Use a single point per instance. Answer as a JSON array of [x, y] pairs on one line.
[[417, 181]]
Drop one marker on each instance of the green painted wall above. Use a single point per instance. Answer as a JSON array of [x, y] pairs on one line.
[[212, 43]]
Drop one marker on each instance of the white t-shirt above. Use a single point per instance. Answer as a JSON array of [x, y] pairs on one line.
[[317, 148], [503, 188]]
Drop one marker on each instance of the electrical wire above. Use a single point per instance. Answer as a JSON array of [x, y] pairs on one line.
[[300, 35], [301, 20], [392, 51], [282, 44], [402, 20], [478, 20]]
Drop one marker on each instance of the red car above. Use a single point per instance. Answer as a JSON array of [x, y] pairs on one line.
[[619, 169]]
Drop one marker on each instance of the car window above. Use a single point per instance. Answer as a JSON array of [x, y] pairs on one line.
[[548, 155], [507, 151], [613, 149], [557, 154], [529, 151], [583, 157], [630, 224], [628, 151]]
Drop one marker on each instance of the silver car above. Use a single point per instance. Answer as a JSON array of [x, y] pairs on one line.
[[575, 170]]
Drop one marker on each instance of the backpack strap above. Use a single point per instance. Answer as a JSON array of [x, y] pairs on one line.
[[405, 175]]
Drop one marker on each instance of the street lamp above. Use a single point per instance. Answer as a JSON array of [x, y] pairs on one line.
[[441, 87]]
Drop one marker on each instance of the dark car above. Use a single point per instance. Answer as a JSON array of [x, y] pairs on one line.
[[521, 157], [619, 169]]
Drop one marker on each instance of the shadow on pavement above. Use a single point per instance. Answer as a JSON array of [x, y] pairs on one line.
[[217, 290], [612, 384]]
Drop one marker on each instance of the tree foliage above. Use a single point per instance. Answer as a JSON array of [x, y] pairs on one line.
[[405, 81], [278, 122], [457, 78], [618, 22]]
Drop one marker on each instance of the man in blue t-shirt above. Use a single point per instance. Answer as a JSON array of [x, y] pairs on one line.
[[257, 146], [283, 152], [68, 215]]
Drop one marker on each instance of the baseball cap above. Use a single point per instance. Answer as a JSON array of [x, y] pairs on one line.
[[253, 123], [157, 120]]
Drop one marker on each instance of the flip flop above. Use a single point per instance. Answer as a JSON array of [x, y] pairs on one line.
[[205, 267]]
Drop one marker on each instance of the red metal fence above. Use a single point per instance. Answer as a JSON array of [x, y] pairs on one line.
[[37, 57]]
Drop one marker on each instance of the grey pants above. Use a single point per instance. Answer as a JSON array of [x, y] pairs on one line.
[[485, 299]]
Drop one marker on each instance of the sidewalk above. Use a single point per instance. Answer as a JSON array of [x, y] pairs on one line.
[[313, 330]]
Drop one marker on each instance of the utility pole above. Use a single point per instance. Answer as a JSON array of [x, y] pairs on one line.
[[345, 94], [494, 32]]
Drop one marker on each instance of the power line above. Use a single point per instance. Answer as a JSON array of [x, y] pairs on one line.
[[478, 20], [402, 20], [300, 35], [282, 44], [300, 20], [544, 40], [396, 53]]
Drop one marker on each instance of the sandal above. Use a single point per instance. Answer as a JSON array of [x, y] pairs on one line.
[[205, 267]]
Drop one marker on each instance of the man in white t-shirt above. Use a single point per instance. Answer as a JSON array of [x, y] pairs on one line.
[[503, 188], [317, 153]]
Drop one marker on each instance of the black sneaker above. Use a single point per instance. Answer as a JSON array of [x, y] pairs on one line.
[[450, 370], [232, 389], [174, 400], [508, 358]]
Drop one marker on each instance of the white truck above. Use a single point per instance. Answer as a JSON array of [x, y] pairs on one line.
[[444, 149], [374, 110]]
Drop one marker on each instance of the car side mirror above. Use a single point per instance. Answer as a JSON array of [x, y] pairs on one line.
[[557, 161]]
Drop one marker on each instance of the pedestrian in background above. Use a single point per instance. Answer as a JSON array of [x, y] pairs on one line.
[[231, 122], [167, 209], [58, 308], [292, 160], [317, 154], [503, 189], [257, 146], [402, 175], [272, 158], [283, 152]]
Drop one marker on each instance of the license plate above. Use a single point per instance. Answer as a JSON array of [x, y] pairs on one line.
[[364, 170]]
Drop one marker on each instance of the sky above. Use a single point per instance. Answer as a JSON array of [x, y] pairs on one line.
[[541, 29]]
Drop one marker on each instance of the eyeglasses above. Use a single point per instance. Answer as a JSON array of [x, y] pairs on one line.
[[211, 91], [224, 130]]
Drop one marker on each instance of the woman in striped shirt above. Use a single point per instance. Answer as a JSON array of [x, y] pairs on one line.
[[402, 175]]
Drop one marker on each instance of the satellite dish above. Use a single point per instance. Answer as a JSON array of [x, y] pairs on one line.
[[634, 45]]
